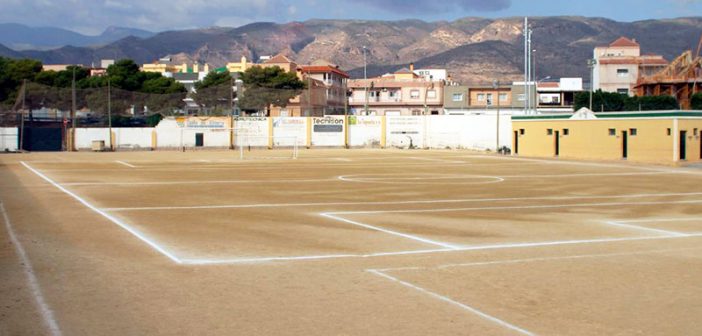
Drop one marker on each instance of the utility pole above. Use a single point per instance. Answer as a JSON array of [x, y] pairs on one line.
[[73, 110], [109, 112], [591, 64], [24, 98], [526, 64], [365, 78]]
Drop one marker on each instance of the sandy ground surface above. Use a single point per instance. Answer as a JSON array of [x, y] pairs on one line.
[[346, 242]]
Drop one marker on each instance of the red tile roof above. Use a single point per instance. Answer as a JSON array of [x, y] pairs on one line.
[[323, 69], [624, 42], [277, 59]]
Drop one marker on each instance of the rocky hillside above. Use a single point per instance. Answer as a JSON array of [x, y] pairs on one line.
[[473, 49]]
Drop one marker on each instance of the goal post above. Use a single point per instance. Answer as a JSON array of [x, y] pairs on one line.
[[246, 144], [266, 146]]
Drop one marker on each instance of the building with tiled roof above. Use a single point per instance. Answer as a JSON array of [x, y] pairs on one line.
[[619, 65]]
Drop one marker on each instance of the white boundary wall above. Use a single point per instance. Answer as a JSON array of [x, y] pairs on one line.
[[9, 139], [445, 131], [289, 129], [328, 131], [124, 138], [365, 131]]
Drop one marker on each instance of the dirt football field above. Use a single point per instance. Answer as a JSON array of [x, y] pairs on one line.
[[346, 242]]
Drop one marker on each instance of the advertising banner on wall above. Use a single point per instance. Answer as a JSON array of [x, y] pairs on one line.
[[365, 131], [287, 130], [251, 131], [203, 122], [328, 131], [405, 131]]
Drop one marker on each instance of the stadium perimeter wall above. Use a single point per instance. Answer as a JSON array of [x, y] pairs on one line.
[[477, 132], [9, 139]]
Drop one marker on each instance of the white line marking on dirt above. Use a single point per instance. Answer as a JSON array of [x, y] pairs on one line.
[[125, 164], [643, 228], [111, 218], [582, 256], [194, 182], [420, 178], [44, 309], [585, 205], [469, 200], [254, 260], [455, 303], [395, 233]]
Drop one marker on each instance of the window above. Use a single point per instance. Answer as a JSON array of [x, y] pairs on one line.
[[481, 97], [612, 132], [457, 97], [393, 94], [566, 131], [623, 91], [414, 94], [416, 112], [431, 94], [622, 72], [521, 97], [521, 131], [670, 132], [694, 132], [549, 131], [489, 99], [503, 97], [633, 131]]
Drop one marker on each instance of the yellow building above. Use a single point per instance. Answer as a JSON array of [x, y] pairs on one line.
[[663, 137], [241, 66]]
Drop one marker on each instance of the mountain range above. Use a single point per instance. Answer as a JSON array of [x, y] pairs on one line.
[[21, 37], [474, 50]]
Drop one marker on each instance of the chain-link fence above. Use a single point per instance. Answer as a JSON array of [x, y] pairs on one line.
[[96, 107]]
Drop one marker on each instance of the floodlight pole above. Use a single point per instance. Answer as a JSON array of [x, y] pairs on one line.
[[591, 64], [73, 111], [496, 86], [365, 78]]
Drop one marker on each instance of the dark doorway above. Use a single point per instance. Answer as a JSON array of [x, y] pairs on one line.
[[683, 145], [38, 139], [558, 142], [516, 142], [199, 139], [625, 145]]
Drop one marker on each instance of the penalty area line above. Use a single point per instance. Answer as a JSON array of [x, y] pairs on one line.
[[125, 164], [111, 218], [453, 302]]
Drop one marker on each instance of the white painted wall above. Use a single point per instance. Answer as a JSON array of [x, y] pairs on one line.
[[401, 131], [442, 131], [9, 139], [328, 131], [365, 131], [287, 130], [125, 138]]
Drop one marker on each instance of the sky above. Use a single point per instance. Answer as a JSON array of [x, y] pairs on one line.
[[93, 16]]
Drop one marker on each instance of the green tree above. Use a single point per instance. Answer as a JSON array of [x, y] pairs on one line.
[[601, 101], [214, 92], [696, 101], [13, 73], [264, 87], [651, 103]]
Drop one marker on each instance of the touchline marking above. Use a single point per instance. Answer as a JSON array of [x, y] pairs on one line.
[[44, 309], [126, 164], [111, 218], [395, 233], [518, 207], [455, 303], [469, 200]]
